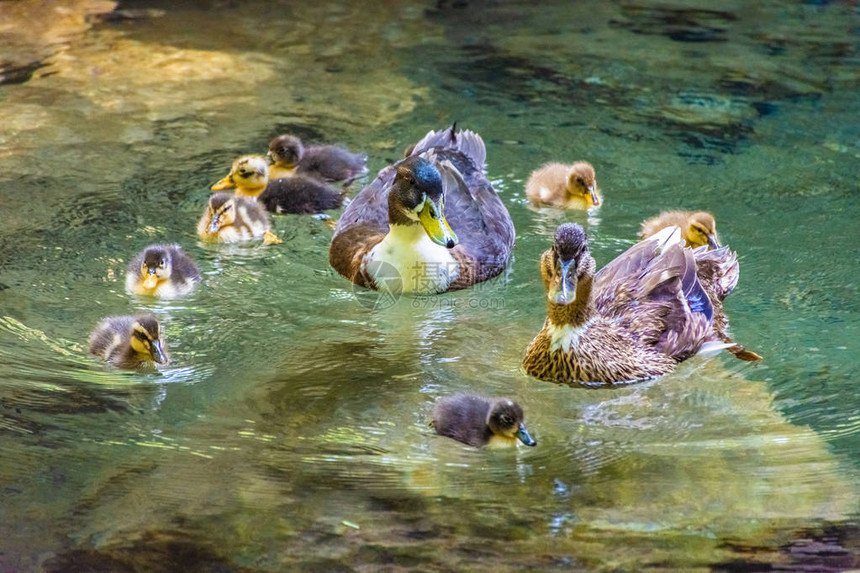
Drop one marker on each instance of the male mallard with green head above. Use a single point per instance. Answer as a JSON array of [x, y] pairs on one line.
[[299, 195], [433, 217], [637, 318], [128, 341], [478, 422]]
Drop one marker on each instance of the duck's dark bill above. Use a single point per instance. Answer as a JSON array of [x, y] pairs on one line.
[[524, 437], [158, 353]]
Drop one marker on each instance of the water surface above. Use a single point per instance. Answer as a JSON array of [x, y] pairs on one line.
[[290, 430]]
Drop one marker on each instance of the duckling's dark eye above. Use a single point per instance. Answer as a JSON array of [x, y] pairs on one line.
[[581, 181], [140, 336], [505, 420]]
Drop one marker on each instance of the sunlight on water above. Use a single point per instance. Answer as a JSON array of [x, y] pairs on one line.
[[290, 429]]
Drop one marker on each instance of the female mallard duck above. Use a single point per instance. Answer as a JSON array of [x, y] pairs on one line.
[[299, 194], [327, 162], [698, 228], [162, 270], [397, 226], [637, 318], [478, 422], [564, 186], [128, 341], [232, 219]]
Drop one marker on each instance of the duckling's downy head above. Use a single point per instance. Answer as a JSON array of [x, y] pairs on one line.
[[146, 339], [249, 175], [702, 230], [567, 261], [582, 183], [156, 266], [417, 196], [506, 420], [221, 211], [286, 150]]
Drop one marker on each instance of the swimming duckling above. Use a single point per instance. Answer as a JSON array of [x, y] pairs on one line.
[[128, 341], [162, 270], [698, 228], [478, 422], [327, 162], [644, 312], [299, 194], [232, 219], [564, 186]]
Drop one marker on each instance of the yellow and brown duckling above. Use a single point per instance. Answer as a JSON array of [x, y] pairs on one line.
[[163, 271], [698, 228], [229, 218], [564, 186], [478, 422], [129, 342], [637, 318], [325, 162], [400, 221], [299, 194]]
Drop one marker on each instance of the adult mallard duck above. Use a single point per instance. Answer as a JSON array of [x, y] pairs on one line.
[[232, 219], [326, 162], [128, 341], [479, 422], [428, 224], [299, 194], [162, 270], [644, 312], [564, 186], [698, 228]]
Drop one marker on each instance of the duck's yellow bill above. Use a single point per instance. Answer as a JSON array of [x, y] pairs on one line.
[[433, 220], [225, 183], [150, 282]]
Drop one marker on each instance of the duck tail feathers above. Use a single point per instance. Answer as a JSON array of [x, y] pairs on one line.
[[465, 141]]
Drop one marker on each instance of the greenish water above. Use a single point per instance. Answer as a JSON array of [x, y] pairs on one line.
[[290, 430]]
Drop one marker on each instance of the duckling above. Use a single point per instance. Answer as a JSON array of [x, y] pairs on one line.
[[299, 194], [128, 341], [644, 312], [478, 422], [698, 228], [232, 219], [162, 270], [327, 162], [564, 186]]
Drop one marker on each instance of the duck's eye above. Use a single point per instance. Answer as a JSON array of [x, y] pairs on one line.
[[505, 420], [580, 181], [161, 264]]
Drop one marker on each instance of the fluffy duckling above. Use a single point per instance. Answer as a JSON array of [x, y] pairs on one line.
[[232, 219], [479, 422], [162, 270], [327, 162], [564, 186], [128, 341], [299, 194], [644, 312], [698, 229]]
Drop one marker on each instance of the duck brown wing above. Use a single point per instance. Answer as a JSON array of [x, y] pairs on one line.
[[363, 224], [654, 292]]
